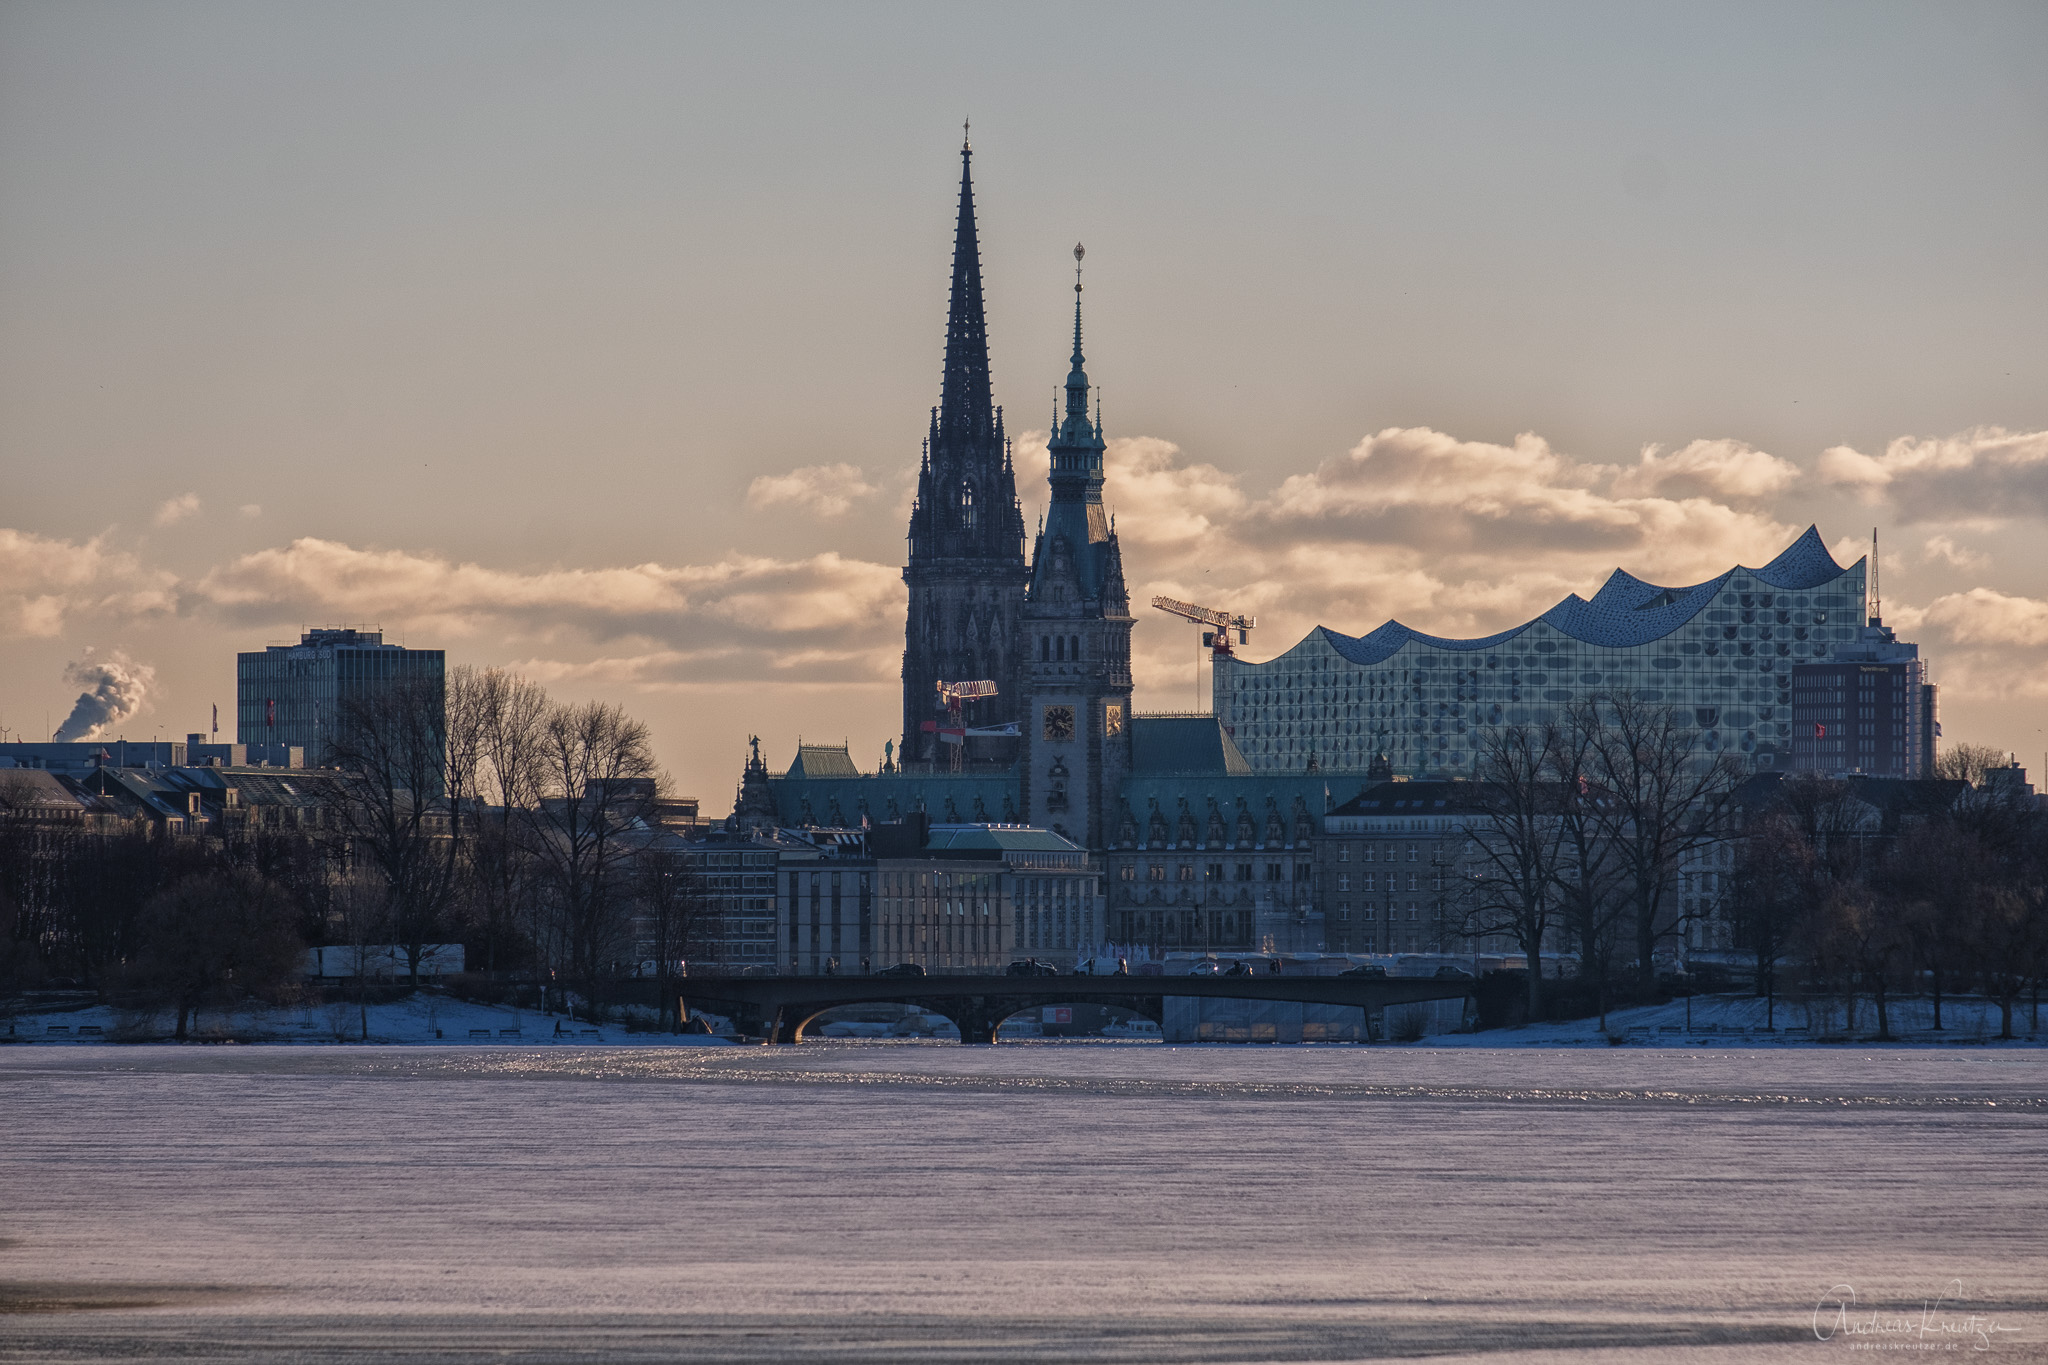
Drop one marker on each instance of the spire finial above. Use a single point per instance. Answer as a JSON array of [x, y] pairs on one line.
[[966, 142], [1079, 252]]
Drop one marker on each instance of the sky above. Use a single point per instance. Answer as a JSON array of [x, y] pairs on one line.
[[596, 341]]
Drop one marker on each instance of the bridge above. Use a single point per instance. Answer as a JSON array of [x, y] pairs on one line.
[[779, 1007]]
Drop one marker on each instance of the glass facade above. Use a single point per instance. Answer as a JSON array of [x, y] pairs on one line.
[[1721, 653]]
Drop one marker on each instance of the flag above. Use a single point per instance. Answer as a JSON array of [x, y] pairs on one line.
[[216, 718], [270, 712], [1819, 730]]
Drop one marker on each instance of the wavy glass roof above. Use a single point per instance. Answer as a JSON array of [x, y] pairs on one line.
[[1625, 612]]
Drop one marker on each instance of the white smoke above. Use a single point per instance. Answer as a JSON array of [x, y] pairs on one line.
[[115, 689]]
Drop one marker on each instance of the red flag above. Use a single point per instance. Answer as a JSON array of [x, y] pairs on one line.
[[1819, 730], [270, 712]]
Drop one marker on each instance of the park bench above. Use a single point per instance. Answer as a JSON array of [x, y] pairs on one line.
[[91, 1031], [593, 1033], [479, 1033], [508, 1033], [1669, 1028], [57, 1030]]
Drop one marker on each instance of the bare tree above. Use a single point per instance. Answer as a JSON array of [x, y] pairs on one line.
[[674, 908], [1588, 881], [1967, 762], [600, 784], [1774, 882], [1512, 876], [1855, 939], [216, 940], [1660, 799], [508, 713], [1919, 878], [401, 804]]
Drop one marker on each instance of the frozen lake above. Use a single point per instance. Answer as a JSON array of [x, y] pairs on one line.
[[1075, 1201]]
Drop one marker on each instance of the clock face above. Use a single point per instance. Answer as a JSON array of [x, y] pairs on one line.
[[1059, 722], [1113, 718]]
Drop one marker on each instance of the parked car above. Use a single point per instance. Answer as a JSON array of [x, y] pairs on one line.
[[902, 969], [1369, 969]]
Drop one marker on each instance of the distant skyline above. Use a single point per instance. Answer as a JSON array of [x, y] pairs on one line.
[[597, 341]]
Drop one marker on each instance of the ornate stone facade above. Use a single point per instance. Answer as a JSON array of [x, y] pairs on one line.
[[966, 567], [1077, 635]]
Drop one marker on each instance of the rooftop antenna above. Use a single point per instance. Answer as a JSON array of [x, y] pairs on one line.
[[1876, 592]]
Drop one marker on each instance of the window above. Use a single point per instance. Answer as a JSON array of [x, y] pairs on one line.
[[1186, 872], [1129, 872], [1272, 872], [1411, 853], [1343, 853], [1215, 872], [1343, 881], [1156, 872]]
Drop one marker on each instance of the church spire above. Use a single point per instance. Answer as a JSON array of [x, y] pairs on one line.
[[966, 404]]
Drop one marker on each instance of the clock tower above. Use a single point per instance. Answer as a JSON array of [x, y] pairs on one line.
[[1076, 637]]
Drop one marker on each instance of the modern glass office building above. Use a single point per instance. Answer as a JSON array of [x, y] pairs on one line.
[[1721, 652], [293, 694]]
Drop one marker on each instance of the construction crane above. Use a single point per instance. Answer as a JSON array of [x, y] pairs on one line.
[[1215, 640], [953, 729]]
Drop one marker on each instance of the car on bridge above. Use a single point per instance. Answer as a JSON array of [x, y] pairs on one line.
[[1367, 969], [1101, 966], [1206, 967], [902, 969], [1031, 966]]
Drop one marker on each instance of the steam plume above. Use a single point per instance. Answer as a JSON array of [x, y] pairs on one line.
[[115, 689]]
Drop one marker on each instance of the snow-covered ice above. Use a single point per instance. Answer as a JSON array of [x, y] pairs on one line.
[[1063, 1201]]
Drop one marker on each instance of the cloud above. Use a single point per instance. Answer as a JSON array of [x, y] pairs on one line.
[[45, 582], [1723, 469], [1945, 548], [252, 510], [1986, 473], [116, 687], [175, 510], [1474, 502], [743, 611], [1985, 617], [823, 490]]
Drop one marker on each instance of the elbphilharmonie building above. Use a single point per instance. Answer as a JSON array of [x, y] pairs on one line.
[[1721, 653]]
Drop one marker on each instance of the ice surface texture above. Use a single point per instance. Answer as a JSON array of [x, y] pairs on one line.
[[916, 1203]]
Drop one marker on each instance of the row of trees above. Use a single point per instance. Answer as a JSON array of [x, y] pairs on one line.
[[1587, 824], [1946, 898], [1584, 824], [481, 811]]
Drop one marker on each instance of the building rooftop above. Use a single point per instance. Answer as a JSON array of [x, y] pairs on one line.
[[1624, 613], [1183, 744]]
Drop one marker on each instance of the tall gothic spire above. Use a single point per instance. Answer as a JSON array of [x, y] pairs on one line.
[[966, 405]]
